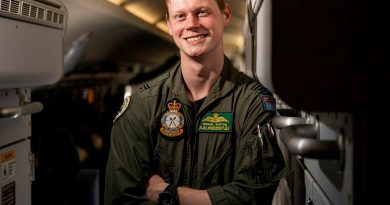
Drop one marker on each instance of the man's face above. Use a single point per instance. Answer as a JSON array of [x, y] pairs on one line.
[[197, 25]]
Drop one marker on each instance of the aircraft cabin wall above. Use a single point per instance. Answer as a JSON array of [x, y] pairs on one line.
[[324, 58], [67, 65], [31, 54]]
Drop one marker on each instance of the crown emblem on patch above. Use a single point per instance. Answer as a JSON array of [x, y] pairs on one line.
[[174, 105]]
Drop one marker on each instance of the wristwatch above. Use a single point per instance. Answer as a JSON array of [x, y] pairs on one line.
[[168, 196]]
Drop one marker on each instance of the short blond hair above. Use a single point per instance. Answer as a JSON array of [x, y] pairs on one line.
[[221, 5]]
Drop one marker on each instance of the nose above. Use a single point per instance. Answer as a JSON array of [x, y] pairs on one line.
[[192, 22]]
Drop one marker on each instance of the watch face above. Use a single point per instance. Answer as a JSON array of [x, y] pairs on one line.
[[167, 198]]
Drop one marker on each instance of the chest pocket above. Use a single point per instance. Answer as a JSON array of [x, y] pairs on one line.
[[216, 152], [163, 167], [262, 160], [167, 158]]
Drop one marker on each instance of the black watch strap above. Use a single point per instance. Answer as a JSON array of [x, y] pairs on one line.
[[171, 189], [168, 196]]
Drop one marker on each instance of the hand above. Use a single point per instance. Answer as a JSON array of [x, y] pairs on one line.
[[154, 187]]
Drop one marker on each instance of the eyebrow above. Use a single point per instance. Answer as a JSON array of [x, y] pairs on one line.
[[197, 9]]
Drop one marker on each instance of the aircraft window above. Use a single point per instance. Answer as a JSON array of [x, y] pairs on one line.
[[61, 19], [14, 6], [49, 15], [34, 11], [41, 13], [5, 5], [55, 17], [25, 9]]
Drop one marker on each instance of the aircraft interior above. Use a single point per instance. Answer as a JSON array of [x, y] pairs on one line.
[[68, 64]]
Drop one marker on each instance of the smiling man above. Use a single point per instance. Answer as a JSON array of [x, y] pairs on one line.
[[201, 132]]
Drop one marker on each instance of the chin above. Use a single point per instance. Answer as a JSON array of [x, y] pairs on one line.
[[192, 54], [196, 53]]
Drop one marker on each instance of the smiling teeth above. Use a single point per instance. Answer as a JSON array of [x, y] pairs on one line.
[[195, 38]]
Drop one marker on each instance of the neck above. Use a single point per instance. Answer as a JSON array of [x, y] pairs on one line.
[[200, 74]]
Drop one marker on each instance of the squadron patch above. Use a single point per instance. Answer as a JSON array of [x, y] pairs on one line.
[[269, 103], [172, 121], [216, 122], [123, 107]]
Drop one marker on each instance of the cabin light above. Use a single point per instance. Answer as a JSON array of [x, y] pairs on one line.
[[140, 11], [162, 25], [116, 2]]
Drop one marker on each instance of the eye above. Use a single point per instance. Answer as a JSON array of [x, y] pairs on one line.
[[203, 12], [179, 17]]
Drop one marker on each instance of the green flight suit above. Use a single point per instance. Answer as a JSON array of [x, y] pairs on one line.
[[217, 149]]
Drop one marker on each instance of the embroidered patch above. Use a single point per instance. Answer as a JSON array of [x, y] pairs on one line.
[[216, 122], [269, 103], [172, 121], [123, 107]]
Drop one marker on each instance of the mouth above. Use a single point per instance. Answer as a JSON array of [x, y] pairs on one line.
[[196, 38]]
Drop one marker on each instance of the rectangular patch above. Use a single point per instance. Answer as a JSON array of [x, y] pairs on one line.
[[269, 103], [216, 122]]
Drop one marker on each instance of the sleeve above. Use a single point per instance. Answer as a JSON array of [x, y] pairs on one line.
[[259, 163], [129, 160]]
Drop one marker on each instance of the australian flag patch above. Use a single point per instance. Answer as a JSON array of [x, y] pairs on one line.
[[269, 102]]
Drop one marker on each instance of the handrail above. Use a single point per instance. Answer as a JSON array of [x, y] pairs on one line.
[[19, 111], [300, 140], [252, 12], [282, 121]]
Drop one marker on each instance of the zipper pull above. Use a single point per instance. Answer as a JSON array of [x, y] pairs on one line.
[[260, 136]]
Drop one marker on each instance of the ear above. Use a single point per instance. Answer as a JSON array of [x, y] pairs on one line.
[[228, 14]]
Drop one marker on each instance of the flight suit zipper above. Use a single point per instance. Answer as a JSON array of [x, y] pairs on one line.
[[193, 144], [197, 120], [190, 150], [194, 150]]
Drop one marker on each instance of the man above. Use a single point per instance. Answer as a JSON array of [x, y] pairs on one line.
[[200, 133]]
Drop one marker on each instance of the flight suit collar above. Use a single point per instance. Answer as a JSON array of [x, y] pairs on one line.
[[225, 83], [178, 86], [222, 87]]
